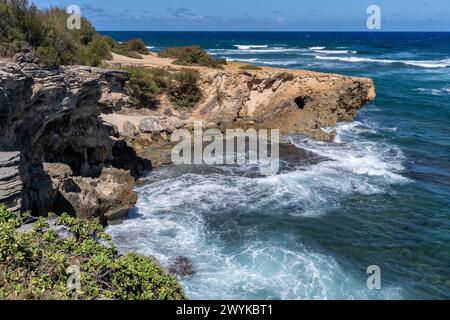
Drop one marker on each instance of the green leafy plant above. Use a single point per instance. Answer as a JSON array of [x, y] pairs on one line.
[[36, 263], [184, 91], [142, 87], [23, 25], [192, 56], [147, 83]]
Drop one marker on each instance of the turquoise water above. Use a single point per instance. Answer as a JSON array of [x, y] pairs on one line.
[[381, 197]]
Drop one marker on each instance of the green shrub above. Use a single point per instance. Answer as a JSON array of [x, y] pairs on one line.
[[132, 48], [19, 24], [192, 56], [143, 87], [136, 45], [184, 91], [46, 31], [36, 264], [146, 84]]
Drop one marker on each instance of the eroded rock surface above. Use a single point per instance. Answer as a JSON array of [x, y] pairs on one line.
[[293, 101], [10, 181], [51, 116], [290, 100], [108, 197]]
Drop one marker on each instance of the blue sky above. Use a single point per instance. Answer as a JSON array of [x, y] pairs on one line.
[[260, 15]]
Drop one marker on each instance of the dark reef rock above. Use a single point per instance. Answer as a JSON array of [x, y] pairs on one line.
[[182, 267], [51, 117], [10, 182]]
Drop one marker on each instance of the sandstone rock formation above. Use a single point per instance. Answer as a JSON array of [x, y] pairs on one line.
[[108, 197], [293, 101], [57, 154], [290, 100], [51, 117]]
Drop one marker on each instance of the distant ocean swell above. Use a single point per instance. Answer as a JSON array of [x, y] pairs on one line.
[[322, 53]]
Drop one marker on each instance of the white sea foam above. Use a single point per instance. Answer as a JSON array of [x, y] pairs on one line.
[[255, 51], [179, 224], [434, 92], [212, 218], [273, 62], [417, 63], [316, 48], [359, 156], [250, 46], [249, 60], [335, 51]]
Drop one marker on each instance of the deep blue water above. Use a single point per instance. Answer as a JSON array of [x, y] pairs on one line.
[[382, 198]]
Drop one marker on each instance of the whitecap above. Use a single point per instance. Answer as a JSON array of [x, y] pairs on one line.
[[335, 51], [250, 46], [434, 92], [423, 64], [287, 62], [255, 51], [249, 60]]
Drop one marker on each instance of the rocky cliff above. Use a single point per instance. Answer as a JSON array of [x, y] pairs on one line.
[[293, 101], [290, 100], [56, 154]]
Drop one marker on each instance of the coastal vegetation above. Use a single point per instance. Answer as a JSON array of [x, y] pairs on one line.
[[24, 27], [45, 31], [134, 48], [146, 84], [192, 56], [184, 91], [46, 260]]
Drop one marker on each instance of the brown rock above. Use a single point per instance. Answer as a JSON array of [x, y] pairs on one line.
[[151, 125], [129, 129], [108, 197], [51, 117]]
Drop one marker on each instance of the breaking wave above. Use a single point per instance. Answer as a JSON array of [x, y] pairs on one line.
[[248, 47], [423, 64], [223, 222], [255, 51], [434, 92], [274, 62], [335, 51]]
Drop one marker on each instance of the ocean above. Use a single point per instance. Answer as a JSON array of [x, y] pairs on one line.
[[381, 196]]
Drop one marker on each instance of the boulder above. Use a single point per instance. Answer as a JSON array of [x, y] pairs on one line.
[[175, 122], [150, 125], [182, 266], [129, 130], [108, 197]]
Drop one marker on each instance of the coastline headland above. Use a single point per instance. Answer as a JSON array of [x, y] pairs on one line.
[[73, 141]]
